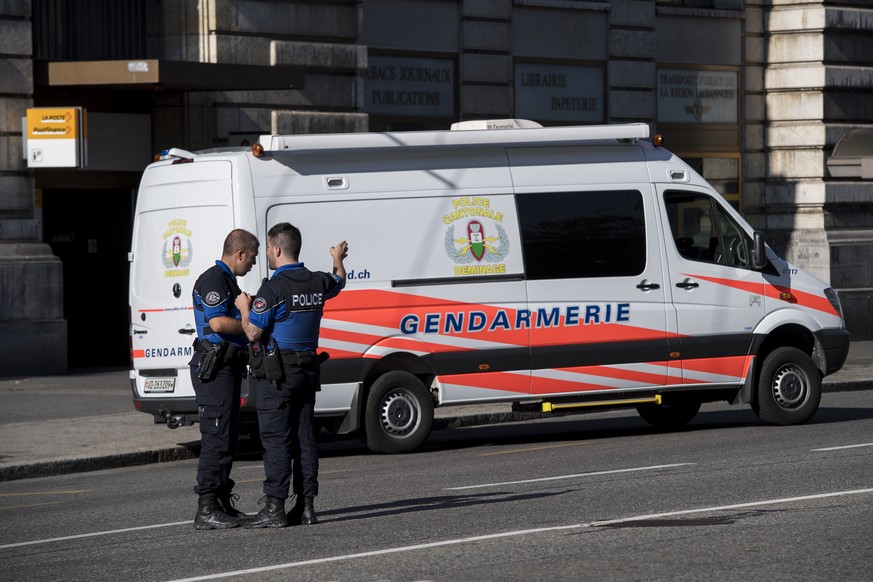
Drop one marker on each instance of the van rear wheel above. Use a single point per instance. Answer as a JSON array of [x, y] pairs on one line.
[[672, 413], [789, 387], [399, 413]]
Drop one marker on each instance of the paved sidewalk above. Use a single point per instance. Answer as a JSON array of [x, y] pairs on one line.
[[85, 421]]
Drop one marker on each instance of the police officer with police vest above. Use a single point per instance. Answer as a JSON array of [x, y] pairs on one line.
[[283, 326], [217, 368]]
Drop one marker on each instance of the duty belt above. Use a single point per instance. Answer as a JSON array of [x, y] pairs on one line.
[[233, 354], [299, 359]]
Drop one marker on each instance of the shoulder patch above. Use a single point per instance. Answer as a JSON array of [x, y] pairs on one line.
[[212, 299], [259, 305]]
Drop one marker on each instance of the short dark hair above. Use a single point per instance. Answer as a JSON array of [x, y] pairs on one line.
[[240, 240], [287, 237]]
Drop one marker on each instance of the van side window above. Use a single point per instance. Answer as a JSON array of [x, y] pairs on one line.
[[704, 231], [568, 235]]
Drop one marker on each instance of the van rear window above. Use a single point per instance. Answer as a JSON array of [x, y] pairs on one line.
[[570, 235]]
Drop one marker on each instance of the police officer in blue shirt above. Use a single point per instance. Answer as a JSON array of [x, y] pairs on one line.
[[283, 325], [217, 368]]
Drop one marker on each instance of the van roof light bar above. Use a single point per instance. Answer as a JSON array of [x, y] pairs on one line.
[[175, 154], [518, 136]]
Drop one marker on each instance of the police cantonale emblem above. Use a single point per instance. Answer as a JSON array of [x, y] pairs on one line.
[[476, 246], [212, 298], [259, 305], [177, 255]]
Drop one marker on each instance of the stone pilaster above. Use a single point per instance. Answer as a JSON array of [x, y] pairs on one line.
[[486, 59], [631, 64], [753, 114], [33, 333]]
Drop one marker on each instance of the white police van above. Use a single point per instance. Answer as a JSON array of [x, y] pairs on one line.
[[554, 268]]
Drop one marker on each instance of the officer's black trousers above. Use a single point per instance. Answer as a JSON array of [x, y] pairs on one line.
[[218, 401], [286, 417]]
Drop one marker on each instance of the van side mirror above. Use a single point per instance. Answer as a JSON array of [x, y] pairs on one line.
[[759, 251]]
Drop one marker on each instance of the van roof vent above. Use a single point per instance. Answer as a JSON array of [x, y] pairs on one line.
[[474, 124]]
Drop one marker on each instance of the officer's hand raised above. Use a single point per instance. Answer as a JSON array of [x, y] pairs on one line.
[[340, 250]]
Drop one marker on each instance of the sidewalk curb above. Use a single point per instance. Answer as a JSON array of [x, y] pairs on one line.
[[66, 466], [52, 468]]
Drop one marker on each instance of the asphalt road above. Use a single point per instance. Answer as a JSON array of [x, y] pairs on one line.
[[591, 497]]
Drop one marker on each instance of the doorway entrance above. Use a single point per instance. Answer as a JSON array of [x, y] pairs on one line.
[[90, 232]]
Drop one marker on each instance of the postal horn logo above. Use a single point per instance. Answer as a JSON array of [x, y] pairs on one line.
[[178, 252], [477, 245]]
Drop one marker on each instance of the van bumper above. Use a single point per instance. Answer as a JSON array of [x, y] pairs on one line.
[[185, 407], [832, 348]]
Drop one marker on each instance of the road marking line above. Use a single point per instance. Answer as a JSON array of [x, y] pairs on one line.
[[559, 477], [509, 534], [94, 534], [379, 552], [844, 447], [529, 449], [71, 492], [29, 505], [726, 507]]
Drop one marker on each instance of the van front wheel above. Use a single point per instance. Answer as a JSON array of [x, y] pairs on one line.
[[789, 387], [399, 413]]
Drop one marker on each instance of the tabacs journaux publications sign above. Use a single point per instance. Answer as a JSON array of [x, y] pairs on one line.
[[696, 96], [55, 137], [546, 92], [409, 87]]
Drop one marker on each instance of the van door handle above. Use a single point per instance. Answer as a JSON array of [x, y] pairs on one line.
[[688, 284], [646, 286], [187, 330]]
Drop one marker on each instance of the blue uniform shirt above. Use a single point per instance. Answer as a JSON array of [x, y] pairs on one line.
[[289, 306], [214, 294]]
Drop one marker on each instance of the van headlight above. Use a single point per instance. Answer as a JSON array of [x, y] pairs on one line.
[[834, 298]]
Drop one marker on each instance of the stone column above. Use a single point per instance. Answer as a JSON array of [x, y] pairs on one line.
[[818, 81], [795, 139], [33, 333]]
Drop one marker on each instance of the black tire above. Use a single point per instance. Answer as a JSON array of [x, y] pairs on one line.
[[789, 388], [671, 414], [399, 413]]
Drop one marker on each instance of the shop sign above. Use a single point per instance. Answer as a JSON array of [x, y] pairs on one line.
[[697, 96], [55, 137], [409, 87], [568, 93]]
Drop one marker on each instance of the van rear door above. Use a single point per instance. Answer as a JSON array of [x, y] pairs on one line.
[[184, 211]]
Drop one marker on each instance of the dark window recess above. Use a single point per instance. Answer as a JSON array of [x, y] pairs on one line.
[[94, 30], [570, 235]]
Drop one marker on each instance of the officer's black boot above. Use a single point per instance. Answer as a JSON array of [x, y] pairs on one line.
[[227, 501], [210, 515], [308, 516], [272, 514], [295, 514]]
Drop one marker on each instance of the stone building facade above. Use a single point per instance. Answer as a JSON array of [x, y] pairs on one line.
[[755, 94]]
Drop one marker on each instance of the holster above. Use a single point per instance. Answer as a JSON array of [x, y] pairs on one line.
[[212, 358], [266, 361]]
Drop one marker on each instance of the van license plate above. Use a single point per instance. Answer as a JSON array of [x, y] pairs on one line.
[[159, 385]]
